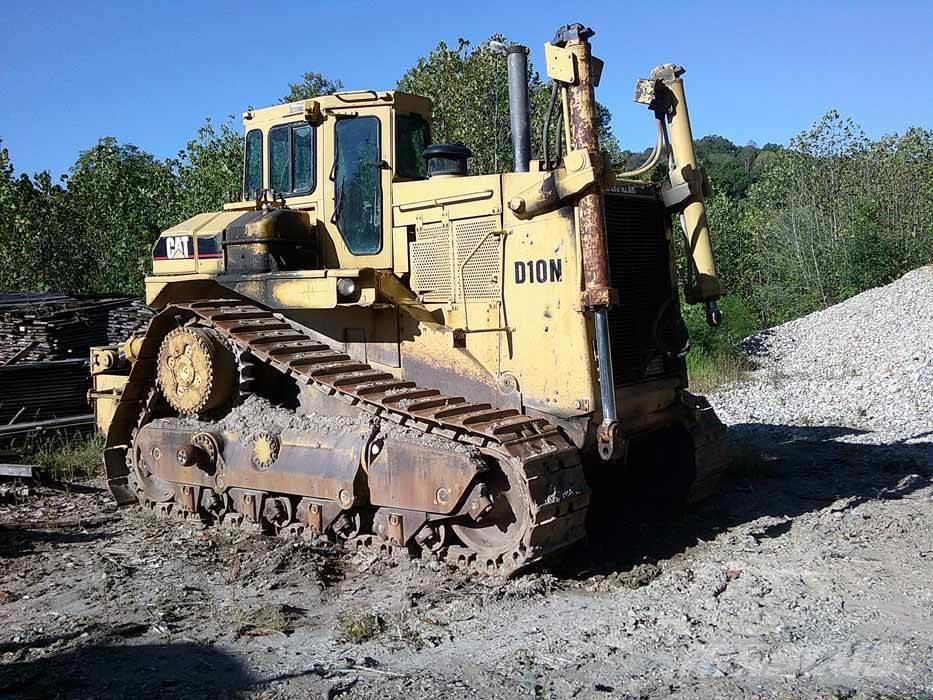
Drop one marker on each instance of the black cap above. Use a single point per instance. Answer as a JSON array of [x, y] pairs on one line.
[[447, 159]]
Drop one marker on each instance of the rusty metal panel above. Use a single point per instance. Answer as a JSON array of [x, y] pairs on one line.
[[411, 476], [320, 465]]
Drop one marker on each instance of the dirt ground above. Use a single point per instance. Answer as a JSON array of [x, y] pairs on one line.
[[809, 575]]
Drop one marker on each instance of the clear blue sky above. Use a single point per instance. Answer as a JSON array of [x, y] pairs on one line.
[[148, 73]]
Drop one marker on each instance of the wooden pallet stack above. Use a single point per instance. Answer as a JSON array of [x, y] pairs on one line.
[[36, 328], [44, 346]]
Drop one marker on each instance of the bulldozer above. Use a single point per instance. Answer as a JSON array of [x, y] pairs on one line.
[[376, 346]]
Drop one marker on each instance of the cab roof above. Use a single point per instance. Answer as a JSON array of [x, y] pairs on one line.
[[403, 101]]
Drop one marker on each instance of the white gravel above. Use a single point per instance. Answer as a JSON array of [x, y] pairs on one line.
[[865, 364]]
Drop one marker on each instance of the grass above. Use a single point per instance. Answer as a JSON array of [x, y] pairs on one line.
[[708, 371], [265, 620], [66, 457], [356, 628], [715, 358]]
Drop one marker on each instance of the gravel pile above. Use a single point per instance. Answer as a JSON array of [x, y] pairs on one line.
[[865, 364]]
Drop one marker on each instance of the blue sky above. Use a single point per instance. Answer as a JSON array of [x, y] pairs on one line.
[[148, 73]]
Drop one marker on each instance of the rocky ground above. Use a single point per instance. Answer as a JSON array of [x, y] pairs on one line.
[[809, 575]]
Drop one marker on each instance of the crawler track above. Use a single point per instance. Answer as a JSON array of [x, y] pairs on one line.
[[552, 480]]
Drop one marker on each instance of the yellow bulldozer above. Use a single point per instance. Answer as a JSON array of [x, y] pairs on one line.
[[375, 346]]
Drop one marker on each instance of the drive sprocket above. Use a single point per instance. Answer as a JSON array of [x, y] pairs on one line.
[[197, 372]]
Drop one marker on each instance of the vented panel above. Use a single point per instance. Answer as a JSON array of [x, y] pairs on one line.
[[431, 263], [480, 250], [639, 268]]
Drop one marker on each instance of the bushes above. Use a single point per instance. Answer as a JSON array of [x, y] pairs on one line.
[[66, 456], [832, 215], [714, 356], [828, 217]]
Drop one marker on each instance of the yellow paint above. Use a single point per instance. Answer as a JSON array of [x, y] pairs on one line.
[[530, 327], [306, 293], [107, 388], [560, 63]]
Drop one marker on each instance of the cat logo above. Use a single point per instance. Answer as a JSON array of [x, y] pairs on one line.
[[174, 248], [177, 247]]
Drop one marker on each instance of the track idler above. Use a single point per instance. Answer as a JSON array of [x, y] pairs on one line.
[[197, 372]]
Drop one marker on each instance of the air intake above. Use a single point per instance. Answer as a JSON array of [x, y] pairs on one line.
[[447, 159]]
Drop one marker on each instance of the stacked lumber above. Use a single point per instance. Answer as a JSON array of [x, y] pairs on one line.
[[127, 319], [45, 340], [37, 328], [40, 391]]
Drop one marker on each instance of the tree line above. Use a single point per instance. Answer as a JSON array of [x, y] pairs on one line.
[[796, 227]]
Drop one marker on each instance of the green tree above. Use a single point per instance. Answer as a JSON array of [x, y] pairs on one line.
[[36, 251], [311, 85], [9, 279], [728, 167], [209, 169], [834, 214], [468, 86], [119, 199]]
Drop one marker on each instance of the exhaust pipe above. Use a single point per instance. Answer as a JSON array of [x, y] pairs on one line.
[[517, 59]]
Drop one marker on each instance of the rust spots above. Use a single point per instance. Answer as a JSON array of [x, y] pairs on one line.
[[591, 210]]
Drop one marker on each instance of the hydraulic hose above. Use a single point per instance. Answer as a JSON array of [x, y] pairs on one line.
[[653, 158], [547, 126]]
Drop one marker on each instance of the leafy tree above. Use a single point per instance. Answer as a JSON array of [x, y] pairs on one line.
[[468, 86], [835, 213], [119, 199], [36, 251], [209, 169], [311, 85], [8, 277], [728, 167]]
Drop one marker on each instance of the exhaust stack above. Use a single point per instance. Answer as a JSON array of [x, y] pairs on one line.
[[517, 59]]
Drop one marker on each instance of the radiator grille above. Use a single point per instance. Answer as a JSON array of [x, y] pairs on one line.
[[639, 267], [466, 265]]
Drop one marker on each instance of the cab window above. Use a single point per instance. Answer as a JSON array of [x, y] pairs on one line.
[[412, 136], [252, 180], [291, 159], [358, 184]]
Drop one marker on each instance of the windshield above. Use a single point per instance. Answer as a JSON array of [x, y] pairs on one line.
[[291, 159]]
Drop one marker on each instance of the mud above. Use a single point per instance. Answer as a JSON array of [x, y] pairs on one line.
[[256, 415], [807, 576]]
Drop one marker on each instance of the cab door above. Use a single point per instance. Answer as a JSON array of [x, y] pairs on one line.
[[357, 210]]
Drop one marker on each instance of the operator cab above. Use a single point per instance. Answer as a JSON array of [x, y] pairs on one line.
[[336, 157]]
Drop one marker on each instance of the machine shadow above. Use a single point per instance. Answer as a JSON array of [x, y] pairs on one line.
[[780, 471], [19, 540], [104, 670]]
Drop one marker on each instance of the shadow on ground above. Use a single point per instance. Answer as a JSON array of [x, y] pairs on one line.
[[19, 540], [110, 670], [777, 470]]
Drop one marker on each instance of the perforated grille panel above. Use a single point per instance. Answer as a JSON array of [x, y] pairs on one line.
[[431, 274], [479, 249]]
